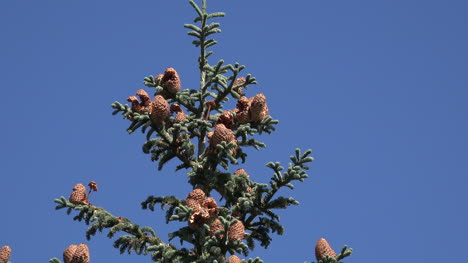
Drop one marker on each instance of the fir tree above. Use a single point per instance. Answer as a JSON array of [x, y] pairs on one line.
[[192, 128]]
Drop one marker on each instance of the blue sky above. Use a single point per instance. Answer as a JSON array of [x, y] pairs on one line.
[[378, 90]]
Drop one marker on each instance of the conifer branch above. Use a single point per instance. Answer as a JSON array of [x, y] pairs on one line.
[[99, 219]]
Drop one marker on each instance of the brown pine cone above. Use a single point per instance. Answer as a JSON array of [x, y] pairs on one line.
[[241, 171], [209, 135], [197, 195], [158, 77], [199, 218], [240, 82], [78, 196], [159, 110], [171, 81], [258, 108], [136, 107], [144, 97], [236, 231], [142, 105], [216, 226], [5, 253], [180, 114], [195, 199], [322, 248], [234, 259], [221, 134], [242, 110], [211, 206], [226, 118], [76, 254]]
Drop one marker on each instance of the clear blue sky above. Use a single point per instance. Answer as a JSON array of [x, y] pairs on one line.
[[378, 89]]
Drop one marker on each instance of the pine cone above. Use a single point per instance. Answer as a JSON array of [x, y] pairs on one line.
[[78, 196], [221, 134], [209, 135], [234, 259], [241, 171], [242, 110], [216, 226], [159, 110], [144, 97], [199, 218], [5, 253], [239, 81], [142, 105], [76, 254], [195, 199], [171, 81], [258, 107], [226, 118], [158, 78], [211, 206], [180, 114], [197, 195], [236, 231], [136, 107], [322, 248]]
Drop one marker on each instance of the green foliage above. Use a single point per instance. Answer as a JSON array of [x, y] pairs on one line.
[[208, 166]]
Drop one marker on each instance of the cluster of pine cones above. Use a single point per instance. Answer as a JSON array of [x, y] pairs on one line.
[[158, 108], [252, 109], [247, 110], [205, 211]]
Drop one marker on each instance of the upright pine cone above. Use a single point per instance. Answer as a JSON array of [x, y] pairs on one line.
[[76, 254], [216, 226], [141, 105], [242, 110], [258, 107], [211, 206], [203, 209], [322, 248], [239, 84], [78, 196], [180, 114], [159, 110], [241, 171], [5, 253], [234, 259], [171, 81], [221, 134], [236, 231], [226, 118], [195, 199], [144, 97], [136, 107]]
